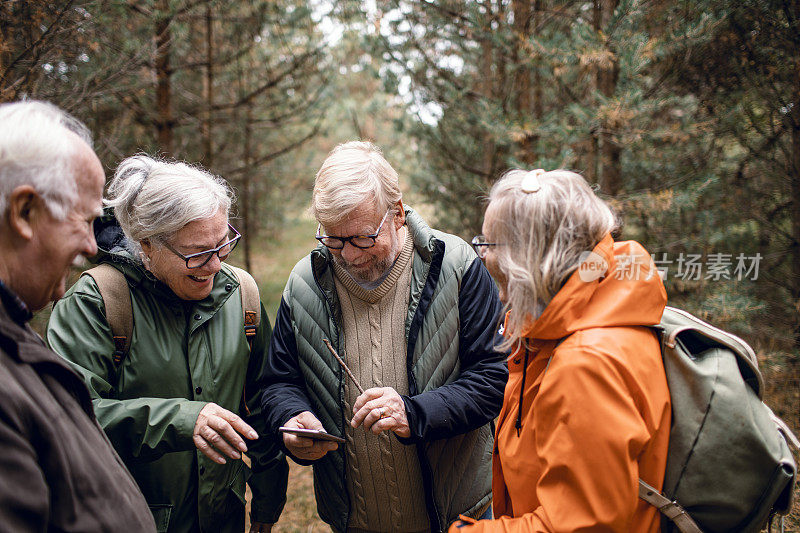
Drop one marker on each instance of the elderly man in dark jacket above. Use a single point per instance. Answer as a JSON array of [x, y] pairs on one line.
[[414, 314], [58, 471]]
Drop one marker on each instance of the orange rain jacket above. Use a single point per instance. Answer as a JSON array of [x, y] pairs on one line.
[[595, 411]]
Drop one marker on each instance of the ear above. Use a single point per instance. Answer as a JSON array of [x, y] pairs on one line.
[[400, 217], [24, 206]]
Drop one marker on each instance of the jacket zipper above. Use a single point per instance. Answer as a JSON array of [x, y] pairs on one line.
[[340, 374]]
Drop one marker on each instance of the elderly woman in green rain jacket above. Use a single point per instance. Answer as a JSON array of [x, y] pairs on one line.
[[180, 404]]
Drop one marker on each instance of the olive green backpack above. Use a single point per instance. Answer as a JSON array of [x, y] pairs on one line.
[[729, 466]]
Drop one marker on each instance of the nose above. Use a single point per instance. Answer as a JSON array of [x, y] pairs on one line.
[[350, 253], [90, 249], [213, 266]]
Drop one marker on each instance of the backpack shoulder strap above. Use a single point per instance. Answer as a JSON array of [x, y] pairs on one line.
[[251, 310], [117, 301], [251, 303], [670, 509]]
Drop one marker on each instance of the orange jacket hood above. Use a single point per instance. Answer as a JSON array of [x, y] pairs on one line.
[[630, 293]]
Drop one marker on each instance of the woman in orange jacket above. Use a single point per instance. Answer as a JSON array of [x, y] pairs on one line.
[[586, 410]]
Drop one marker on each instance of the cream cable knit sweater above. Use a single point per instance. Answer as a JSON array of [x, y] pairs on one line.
[[383, 477]]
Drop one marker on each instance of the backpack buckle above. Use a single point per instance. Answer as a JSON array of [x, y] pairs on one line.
[[119, 348]]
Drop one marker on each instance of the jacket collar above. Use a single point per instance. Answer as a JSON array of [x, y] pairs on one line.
[[25, 344], [14, 306]]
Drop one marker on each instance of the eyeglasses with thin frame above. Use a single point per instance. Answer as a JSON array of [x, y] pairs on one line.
[[201, 258], [359, 241], [481, 246]]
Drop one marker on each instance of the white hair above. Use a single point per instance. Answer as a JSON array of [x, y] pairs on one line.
[[37, 149], [544, 221], [354, 174], [153, 199]]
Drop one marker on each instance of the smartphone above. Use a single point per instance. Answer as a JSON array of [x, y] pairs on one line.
[[317, 434]]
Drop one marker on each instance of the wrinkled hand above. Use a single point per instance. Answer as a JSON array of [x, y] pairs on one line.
[[381, 409], [215, 433], [302, 447], [260, 527]]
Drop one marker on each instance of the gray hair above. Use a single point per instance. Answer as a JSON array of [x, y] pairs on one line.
[[153, 199], [37, 149], [354, 174], [542, 234]]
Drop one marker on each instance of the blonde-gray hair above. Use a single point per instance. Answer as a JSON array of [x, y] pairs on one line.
[[354, 174], [153, 199], [543, 222]]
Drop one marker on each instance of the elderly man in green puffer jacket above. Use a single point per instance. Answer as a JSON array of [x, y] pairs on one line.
[[414, 314]]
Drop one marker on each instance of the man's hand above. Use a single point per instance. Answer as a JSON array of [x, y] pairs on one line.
[[260, 527], [381, 409], [302, 447], [215, 433]]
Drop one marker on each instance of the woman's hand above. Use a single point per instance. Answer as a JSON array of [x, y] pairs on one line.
[[215, 433]]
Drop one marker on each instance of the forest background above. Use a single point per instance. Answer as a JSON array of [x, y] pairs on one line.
[[684, 115]]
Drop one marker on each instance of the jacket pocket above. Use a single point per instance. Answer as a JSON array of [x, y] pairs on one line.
[[161, 515]]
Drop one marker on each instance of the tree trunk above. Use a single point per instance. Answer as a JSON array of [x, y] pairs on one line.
[[164, 120], [5, 45], [610, 174], [486, 85], [794, 179], [538, 94], [247, 185], [208, 91], [522, 80]]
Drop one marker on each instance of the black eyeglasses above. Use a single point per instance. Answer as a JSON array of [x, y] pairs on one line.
[[201, 258], [359, 241], [481, 246]]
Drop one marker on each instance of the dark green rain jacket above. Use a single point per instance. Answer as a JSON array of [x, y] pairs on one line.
[[183, 355]]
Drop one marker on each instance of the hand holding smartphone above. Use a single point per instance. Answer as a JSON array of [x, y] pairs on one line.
[[316, 434]]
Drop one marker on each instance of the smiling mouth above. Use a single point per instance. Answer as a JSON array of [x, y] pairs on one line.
[[201, 279]]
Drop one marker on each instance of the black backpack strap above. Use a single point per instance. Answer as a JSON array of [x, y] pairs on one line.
[[116, 295]]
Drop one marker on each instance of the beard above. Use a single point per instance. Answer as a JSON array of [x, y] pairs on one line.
[[377, 269]]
